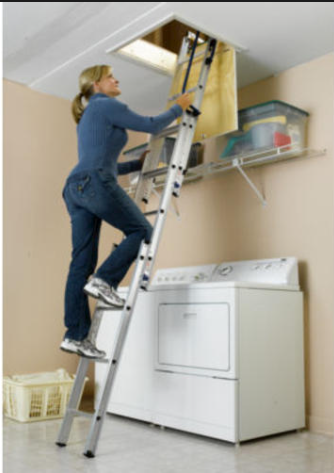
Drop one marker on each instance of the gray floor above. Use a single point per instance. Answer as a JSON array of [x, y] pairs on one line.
[[129, 446]]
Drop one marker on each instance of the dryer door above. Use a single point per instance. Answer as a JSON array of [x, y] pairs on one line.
[[194, 338]]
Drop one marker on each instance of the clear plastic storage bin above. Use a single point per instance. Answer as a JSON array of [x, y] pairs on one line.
[[195, 156], [38, 396], [268, 125]]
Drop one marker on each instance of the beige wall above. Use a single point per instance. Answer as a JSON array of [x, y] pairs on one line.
[[39, 152], [221, 220]]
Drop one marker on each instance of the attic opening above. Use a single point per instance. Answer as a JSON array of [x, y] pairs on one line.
[[160, 48]]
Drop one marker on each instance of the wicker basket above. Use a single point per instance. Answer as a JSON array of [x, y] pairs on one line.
[[39, 396]]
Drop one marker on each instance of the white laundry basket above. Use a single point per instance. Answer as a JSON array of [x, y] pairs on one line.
[[37, 396]]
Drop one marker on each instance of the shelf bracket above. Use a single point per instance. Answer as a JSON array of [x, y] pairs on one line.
[[236, 163]]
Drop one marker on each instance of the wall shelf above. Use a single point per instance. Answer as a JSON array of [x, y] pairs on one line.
[[240, 162]]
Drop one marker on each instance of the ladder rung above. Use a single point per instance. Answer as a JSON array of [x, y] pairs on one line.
[[80, 413], [155, 172], [107, 307], [176, 96], [100, 360], [152, 212], [195, 57], [171, 130]]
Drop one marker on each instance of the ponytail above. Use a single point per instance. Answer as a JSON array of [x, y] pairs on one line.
[[77, 107], [86, 81]]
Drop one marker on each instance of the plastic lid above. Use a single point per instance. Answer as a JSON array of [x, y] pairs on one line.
[[274, 102]]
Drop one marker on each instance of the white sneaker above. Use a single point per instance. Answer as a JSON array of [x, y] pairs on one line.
[[98, 288], [87, 349], [69, 345]]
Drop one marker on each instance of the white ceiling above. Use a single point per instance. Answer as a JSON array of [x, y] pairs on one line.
[[47, 44]]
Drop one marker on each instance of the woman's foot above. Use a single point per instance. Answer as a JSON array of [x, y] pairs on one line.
[[69, 345], [83, 348], [99, 289], [89, 350]]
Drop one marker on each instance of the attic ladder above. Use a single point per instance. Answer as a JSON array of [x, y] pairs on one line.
[[175, 173]]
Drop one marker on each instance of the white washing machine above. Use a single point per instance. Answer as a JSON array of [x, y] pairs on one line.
[[215, 350]]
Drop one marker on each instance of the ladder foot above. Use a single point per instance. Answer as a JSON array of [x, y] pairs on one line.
[[89, 454], [61, 444]]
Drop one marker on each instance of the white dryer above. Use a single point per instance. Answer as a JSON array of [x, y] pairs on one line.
[[215, 350]]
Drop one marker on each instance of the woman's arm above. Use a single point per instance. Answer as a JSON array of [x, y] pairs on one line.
[[120, 115], [130, 166]]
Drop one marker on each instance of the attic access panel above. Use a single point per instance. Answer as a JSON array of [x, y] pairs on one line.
[[219, 106], [159, 50]]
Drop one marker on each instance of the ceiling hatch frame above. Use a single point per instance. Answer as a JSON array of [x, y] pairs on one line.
[[134, 40]]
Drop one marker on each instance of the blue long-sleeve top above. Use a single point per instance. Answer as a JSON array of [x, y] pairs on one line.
[[102, 134]]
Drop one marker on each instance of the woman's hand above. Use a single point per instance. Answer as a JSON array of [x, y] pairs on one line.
[[184, 101], [143, 156]]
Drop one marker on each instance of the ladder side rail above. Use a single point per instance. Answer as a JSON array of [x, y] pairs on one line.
[[179, 157], [151, 162], [179, 150], [203, 77], [78, 383], [145, 185], [190, 62], [66, 425], [182, 57], [96, 423], [192, 120]]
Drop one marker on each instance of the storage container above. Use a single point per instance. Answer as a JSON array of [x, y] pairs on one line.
[[195, 156], [269, 125], [37, 396]]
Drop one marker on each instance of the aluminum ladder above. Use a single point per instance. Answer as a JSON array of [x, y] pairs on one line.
[[145, 260]]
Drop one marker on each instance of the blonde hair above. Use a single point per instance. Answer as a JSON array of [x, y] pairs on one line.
[[86, 81]]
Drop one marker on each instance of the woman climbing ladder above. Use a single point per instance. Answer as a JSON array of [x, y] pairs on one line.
[[92, 195]]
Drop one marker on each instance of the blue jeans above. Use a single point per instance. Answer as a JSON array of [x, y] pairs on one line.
[[90, 197]]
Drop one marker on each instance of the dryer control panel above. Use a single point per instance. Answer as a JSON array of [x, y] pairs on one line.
[[267, 271], [280, 271], [187, 275]]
